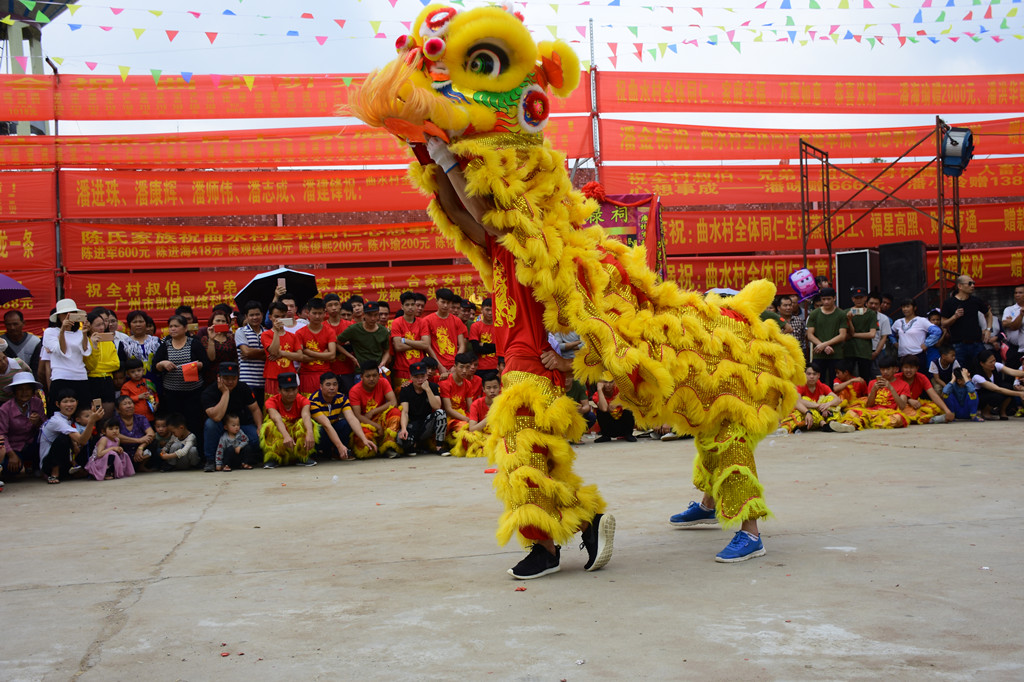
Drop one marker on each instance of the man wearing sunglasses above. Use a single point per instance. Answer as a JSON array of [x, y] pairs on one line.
[[960, 317]]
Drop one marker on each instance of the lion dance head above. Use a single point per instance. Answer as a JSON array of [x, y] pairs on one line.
[[461, 73]]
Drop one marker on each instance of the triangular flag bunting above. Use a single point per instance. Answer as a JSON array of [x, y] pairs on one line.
[[1004, 24], [124, 72], [662, 47], [195, 14], [186, 76], [614, 61], [674, 48], [988, 13], [212, 35], [844, 4], [785, 5], [582, 30], [340, 23], [653, 53], [902, 40], [107, 28], [215, 79], [761, 6], [228, 13], [59, 60], [554, 7], [897, 27], [23, 63], [296, 33], [138, 32], [116, 10], [868, 5], [31, 4], [634, 30], [347, 80], [814, 5], [249, 81], [73, 27], [790, 22], [918, 18], [42, 18], [306, 15], [10, 22], [942, 16], [320, 39], [408, 25], [73, 8], [171, 35], [970, 15], [792, 36], [699, 11], [554, 30], [91, 65], [156, 75], [154, 12], [375, 25]]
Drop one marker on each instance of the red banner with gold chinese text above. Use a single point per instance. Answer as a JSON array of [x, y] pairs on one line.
[[93, 246], [112, 98], [636, 141], [988, 267], [27, 246], [36, 309], [117, 194], [27, 195], [159, 293], [761, 184], [621, 92], [738, 231], [319, 146]]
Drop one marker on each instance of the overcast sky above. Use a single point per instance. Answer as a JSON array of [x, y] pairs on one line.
[[239, 47]]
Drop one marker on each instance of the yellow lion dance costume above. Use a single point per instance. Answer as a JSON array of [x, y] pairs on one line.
[[476, 80]]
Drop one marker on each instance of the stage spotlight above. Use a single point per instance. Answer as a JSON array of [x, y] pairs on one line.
[[957, 150]]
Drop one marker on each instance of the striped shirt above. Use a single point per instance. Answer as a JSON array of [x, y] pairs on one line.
[[332, 411], [250, 372]]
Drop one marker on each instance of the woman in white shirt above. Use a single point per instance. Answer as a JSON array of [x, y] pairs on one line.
[[990, 393], [912, 331], [68, 347]]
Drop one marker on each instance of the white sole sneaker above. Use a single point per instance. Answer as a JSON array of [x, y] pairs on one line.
[[752, 555], [842, 427], [549, 571], [605, 541]]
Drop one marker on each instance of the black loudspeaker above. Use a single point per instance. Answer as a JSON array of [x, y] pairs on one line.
[[855, 269], [904, 274]]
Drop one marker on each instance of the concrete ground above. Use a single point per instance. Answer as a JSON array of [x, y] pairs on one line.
[[893, 554]]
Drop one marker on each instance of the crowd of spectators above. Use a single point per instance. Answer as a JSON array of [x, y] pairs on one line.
[[298, 382], [885, 364]]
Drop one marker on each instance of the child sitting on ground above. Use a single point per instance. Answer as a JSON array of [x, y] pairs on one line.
[[614, 420], [231, 442], [851, 388], [109, 460], [180, 452], [961, 396], [943, 369], [141, 390], [470, 441]]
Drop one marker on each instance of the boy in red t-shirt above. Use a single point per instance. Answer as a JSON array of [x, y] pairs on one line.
[[817, 407], [848, 386], [470, 440], [407, 334], [458, 392], [911, 384], [281, 358], [375, 406], [445, 332], [481, 336], [319, 344], [287, 435], [612, 418]]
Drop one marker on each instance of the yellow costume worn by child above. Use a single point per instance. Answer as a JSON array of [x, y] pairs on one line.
[[706, 366]]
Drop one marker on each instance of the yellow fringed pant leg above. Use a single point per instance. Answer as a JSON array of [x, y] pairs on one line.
[[532, 423], [272, 443], [724, 469]]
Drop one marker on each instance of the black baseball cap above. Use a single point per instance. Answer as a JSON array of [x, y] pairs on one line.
[[858, 291], [371, 307], [288, 380], [228, 369], [417, 368]]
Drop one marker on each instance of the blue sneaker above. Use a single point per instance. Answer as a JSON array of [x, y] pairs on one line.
[[695, 515], [741, 548]]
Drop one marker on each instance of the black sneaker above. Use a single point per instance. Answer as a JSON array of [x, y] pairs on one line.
[[390, 453], [539, 562], [597, 540], [603, 439], [209, 467], [270, 465], [629, 439]]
